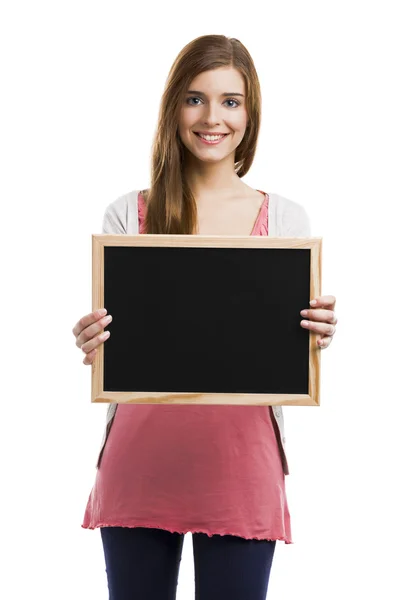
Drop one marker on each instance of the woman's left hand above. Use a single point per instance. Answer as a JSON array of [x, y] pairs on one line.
[[321, 318]]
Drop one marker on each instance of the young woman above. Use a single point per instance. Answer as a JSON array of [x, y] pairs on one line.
[[216, 471]]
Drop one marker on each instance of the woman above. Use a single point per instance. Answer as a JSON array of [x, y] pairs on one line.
[[216, 471]]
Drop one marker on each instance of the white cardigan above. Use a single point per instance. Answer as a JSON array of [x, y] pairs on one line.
[[285, 219]]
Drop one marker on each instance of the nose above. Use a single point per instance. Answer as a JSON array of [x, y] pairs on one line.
[[211, 116]]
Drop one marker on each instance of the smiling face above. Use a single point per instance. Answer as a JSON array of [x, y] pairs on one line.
[[214, 104]]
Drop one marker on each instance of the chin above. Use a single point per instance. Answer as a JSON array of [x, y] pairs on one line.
[[207, 158]]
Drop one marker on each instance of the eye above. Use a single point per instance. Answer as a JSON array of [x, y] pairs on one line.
[[192, 98], [233, 100]]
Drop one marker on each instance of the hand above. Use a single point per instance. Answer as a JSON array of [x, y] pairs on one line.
[[321, 319], [86, 332]]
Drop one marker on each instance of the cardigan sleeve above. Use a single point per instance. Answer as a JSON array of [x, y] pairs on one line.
[[295, 221], [115, 216]]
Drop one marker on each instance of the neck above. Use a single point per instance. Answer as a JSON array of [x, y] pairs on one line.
[[206, 179]]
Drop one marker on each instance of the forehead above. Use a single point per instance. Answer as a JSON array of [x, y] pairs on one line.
[[223, 79]]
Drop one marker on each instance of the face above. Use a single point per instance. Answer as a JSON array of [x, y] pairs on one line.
[[214, 103]]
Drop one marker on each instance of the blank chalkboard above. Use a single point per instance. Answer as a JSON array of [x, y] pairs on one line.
[[206, 319]]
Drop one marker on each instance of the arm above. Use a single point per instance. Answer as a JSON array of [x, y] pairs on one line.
[[320, 316], [114, 219]]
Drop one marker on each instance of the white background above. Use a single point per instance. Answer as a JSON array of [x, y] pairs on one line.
[[81, 84]]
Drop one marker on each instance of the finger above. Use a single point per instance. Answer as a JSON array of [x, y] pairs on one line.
[[324, 342], [89, 357], [92, 331], [324, 329], [320, 314], [324, 302], [95, 342], [88, 320]]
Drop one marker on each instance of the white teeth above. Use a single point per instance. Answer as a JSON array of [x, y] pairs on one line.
[[211, 138]]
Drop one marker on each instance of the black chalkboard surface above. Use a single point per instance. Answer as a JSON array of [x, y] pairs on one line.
[[201, 319]]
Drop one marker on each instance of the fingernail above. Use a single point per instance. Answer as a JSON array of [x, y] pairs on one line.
[[304, 312], [313, 302], [102, 312]]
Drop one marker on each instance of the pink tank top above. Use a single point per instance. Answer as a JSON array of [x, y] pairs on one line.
[[213, 469]]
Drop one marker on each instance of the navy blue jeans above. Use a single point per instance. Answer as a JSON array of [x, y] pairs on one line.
[[143, 564]]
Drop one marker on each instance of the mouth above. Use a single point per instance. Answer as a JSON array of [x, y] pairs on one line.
[[211, 140]]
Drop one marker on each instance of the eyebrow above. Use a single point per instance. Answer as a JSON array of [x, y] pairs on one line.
[[225, 94]]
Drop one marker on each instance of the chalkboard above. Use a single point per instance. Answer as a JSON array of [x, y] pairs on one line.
[[206, 319]]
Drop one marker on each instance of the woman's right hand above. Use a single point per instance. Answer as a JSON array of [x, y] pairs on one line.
[[87, 331]]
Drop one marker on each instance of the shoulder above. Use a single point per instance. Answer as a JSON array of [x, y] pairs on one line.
[[120, 216], [288, 218]]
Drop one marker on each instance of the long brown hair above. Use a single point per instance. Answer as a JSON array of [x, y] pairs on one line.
[[171, 206]]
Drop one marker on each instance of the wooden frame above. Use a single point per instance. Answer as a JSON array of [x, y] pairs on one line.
[[315, 247]]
